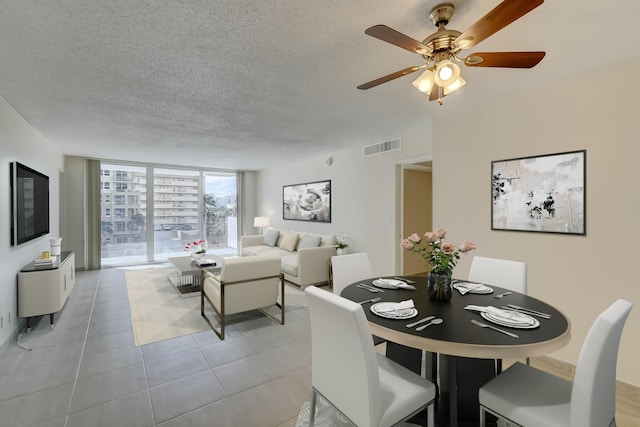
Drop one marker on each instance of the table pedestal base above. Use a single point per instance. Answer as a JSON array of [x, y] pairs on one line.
[[457, 382]]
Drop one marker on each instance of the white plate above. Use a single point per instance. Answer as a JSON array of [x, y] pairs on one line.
[[405, 313], [481, 289], [534, 323], [388, 283]]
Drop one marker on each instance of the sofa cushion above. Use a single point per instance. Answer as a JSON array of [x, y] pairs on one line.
[[289, 264], [263, 250], [328, 240], [288, 241], [271, 237], [309, 241]]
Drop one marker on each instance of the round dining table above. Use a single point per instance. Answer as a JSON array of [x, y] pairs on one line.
[[457, 338]]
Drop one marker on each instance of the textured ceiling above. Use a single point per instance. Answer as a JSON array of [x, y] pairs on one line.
[[243, 84]]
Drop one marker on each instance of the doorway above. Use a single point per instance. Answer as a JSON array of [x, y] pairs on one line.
[[414, 193]]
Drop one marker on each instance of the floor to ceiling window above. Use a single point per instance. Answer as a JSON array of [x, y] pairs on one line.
[[220, 204], [176, 212], [150, 213], [123, 222]]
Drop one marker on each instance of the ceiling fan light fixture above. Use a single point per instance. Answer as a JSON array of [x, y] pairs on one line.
[[447, 73], [425, 82], [454, 86]]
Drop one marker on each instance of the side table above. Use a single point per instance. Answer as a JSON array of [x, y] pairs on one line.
[[188, 276]]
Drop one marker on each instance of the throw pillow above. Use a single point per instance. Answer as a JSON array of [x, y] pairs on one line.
[[288, 241], [309, 242], [271, 237]]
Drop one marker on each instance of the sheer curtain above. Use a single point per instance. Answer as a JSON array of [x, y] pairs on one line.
[[240, 207], [93, 215]]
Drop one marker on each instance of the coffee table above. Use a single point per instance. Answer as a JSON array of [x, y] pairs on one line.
[[188, 276]]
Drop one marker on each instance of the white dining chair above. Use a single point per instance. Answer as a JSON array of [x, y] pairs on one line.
[[530, 397], [347, 269], [511, 275], [362, 384]]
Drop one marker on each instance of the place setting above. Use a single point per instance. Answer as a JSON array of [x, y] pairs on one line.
[[505, 317], [472, 288], [392, 284], [395, 310]]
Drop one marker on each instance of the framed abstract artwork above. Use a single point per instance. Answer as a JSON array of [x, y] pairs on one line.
[[541, 193], [310, 201]]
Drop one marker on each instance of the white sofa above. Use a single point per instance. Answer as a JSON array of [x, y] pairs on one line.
[[304, 256]]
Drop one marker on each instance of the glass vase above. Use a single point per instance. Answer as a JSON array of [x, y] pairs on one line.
[[439, 286]]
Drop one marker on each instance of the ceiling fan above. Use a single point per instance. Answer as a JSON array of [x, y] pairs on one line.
[[441, 49]]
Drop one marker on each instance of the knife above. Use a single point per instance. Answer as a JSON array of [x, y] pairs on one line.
[[519, 310], [426, 319], [528, 310], [373, 289]]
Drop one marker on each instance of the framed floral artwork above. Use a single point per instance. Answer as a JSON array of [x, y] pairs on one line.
[[541, 193], [310, 201]]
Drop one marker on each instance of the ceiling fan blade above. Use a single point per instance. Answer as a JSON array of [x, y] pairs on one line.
[[396, 38], [504, 59], [389, 77], [501, 16]]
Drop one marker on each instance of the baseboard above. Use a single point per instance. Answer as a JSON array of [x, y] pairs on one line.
[[21, 326]]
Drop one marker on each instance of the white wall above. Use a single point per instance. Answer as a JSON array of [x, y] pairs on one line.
[[580, 275], [20, 142], [363, 194]]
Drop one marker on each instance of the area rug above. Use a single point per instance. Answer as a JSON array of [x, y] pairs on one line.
[[326, 415], [158, 312]]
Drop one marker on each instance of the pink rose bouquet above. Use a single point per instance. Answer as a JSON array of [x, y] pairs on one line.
[[441, 256], [198, 247]]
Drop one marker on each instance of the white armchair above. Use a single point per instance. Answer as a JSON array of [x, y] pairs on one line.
[[244, 284]]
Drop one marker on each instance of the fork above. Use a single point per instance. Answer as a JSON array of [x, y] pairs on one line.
[[484, 325], [367, 288]]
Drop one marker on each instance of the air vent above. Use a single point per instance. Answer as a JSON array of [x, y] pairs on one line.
[[381, 147]]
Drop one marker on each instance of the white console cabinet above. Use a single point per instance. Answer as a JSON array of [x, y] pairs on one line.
[[45, 289]]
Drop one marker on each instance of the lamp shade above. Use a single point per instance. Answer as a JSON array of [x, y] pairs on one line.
[[446, 73], [454, 86], [261, 221], [424, 83]]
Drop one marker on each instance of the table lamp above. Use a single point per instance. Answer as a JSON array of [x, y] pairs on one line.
[[261, 222]]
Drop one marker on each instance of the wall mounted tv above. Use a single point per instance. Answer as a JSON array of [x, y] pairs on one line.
[[29, 203]]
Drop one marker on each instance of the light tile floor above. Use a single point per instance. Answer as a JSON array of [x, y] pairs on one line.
[[87, 371]]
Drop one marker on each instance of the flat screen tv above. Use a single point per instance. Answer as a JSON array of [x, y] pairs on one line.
[[29, 203]]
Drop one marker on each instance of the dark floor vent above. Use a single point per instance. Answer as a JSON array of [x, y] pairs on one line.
[[381, 147]]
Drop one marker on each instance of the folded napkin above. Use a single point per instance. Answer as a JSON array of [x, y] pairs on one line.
[[465, 287], [507, 315], [392, 284], [402, 305]]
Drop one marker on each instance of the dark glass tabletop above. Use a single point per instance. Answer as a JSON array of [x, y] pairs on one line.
[[457, 336]]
